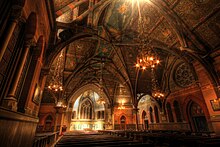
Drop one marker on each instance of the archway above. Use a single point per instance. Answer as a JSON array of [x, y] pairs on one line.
[[197, 118], [87, 114]]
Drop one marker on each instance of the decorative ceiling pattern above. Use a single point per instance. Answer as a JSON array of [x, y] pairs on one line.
[[179, 30]]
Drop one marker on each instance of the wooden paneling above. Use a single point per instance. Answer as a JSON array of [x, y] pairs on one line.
[[16, 129]]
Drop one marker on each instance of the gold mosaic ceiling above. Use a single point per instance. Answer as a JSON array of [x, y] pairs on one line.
[[180, 30]]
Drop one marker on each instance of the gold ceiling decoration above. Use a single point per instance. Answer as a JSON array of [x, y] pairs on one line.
[[147, 57]]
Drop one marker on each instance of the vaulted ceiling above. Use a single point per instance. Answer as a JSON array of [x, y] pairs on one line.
[[92, 32]]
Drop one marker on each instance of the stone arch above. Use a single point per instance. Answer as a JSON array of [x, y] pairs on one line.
[[196, 117], [186, 109], [197, 100], [92, 87]]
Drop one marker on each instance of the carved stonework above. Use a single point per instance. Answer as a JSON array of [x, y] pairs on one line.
[[183, 76]]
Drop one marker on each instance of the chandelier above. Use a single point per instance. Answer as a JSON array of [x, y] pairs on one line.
[[156, 90], [101, 100], [147, 56], [56, 82]]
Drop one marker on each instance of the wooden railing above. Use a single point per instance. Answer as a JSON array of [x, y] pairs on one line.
[[45, 139]]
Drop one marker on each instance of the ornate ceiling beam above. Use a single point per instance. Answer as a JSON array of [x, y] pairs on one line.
[[69, 7]]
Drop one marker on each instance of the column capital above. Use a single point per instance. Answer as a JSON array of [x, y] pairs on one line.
[[29, 43]]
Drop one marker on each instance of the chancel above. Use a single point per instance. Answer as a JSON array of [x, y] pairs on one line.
[[109, 73]]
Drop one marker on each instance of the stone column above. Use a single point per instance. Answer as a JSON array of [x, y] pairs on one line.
[[15, 16], [10, 101], [136, 117]]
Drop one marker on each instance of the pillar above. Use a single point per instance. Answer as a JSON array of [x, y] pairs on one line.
[[10, 101], [16, 13], [136, 117]]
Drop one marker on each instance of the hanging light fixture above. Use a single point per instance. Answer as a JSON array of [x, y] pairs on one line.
[[56, 82], [147, 56], [101, 99], [156, 90]]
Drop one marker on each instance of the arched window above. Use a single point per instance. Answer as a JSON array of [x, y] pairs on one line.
[[198, 118], [177, 111], [86, 110], [156, 114], [169, 112], [151, 115]]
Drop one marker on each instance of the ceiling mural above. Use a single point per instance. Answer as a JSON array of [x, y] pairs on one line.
[[106, 31]]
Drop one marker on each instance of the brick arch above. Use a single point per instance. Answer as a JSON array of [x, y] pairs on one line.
[[191, 98], [92, 87]]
